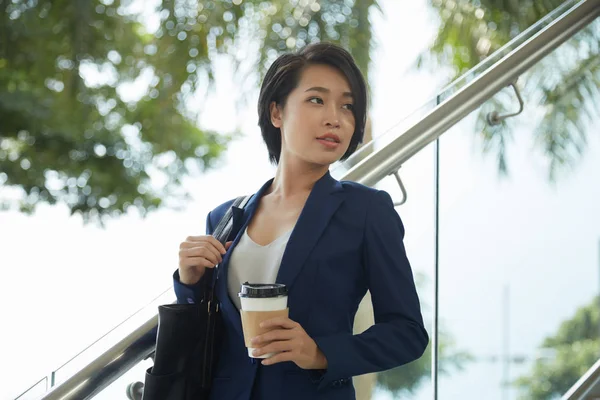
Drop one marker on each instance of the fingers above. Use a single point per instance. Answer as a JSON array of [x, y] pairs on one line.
[[196, 262], [277, 358], [208, 253], [289, 343], [279, 334], [212, 254], [279, 322], [202, 246], [228, 245], [195, 241], [276, 347], [212, 240], [197, 253]]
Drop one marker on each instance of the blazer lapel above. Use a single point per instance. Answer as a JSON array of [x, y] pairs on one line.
[[241, 219], [318, 210]]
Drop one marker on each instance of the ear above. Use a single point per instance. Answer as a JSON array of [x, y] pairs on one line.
[[275, 111]]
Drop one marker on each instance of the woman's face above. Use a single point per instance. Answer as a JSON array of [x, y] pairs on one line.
[[316, 122]]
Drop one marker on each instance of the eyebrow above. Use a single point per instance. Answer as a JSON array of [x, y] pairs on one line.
[[325, 90]]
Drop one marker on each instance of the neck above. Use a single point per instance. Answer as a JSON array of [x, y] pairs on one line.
[[294, 179]]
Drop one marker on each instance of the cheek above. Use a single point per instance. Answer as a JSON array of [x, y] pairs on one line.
[[295, 134], [350, 127], [350, 121], [301, 127]]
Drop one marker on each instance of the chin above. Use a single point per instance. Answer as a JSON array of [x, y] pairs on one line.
[[325, 161], [322, 158]]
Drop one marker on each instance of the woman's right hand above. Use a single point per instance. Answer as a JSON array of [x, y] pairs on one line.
[[196, 254]]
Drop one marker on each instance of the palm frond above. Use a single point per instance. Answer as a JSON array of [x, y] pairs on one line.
[[571, 108]]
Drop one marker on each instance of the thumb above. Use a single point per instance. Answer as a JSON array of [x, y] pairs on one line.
[[228, 245]]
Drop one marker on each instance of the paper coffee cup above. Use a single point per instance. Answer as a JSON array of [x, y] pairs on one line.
[[261, 302]]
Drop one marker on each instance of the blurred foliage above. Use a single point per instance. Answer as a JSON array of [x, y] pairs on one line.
[[563, 87], [96, 97], [574, 349]]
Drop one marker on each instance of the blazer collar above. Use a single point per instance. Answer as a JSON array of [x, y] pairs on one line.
[[318, 210], [320, 192]]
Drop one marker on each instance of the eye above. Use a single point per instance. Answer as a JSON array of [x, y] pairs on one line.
[[349, 107], [318, 100]]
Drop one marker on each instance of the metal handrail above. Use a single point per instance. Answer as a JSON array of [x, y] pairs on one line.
[[584, 386], [139, 344], [107, 368]]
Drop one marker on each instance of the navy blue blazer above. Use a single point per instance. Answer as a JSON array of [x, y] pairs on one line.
[[347, 240]]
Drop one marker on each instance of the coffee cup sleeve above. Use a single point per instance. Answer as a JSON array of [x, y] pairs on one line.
[[251, 321]]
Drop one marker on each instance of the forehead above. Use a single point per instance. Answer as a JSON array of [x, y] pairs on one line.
[[324, 76]]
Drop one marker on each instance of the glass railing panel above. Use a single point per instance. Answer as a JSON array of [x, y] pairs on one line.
[[35, 391], [412, 380], [519, 250], [100, 345], [88, 283], [112, 337]]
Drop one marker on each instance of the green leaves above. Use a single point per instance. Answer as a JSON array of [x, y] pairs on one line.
[[72, 131], [574, 349], [95, 95], [570, 99]]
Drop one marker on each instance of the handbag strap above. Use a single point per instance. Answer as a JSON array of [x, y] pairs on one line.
[[223, 229], [221, 233]]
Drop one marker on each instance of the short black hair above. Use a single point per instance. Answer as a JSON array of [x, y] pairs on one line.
[[284, 75]]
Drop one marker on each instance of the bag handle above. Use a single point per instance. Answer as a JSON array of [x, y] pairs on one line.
[[223, 229], [221, 233]]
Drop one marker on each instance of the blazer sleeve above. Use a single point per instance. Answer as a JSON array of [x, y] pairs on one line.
[[398, 335], [190, 294]]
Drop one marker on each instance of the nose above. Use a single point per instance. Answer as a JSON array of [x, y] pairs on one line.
[[332, 119]]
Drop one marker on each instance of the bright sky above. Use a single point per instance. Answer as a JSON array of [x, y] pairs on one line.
[[63, 284]]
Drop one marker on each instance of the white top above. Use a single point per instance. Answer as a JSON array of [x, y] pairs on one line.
[[251, 262]]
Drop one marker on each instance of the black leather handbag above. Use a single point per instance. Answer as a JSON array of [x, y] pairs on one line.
[[188, 338]]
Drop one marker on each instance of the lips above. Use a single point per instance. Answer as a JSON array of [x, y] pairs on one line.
[[329, 141], [330, 137]]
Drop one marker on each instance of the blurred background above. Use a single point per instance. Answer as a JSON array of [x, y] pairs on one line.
[[122, 123]]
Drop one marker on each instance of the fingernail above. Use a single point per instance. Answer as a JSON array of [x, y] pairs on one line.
[[262, 325], [256, 352], [265, 362]]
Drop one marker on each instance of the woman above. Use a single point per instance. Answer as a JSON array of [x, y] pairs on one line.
[[328, 241]]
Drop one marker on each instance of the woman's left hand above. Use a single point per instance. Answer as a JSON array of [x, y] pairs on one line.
[[291, 342]]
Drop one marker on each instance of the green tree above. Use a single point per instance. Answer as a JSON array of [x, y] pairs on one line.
[[575, 348], [73, 130], [564, 84]]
